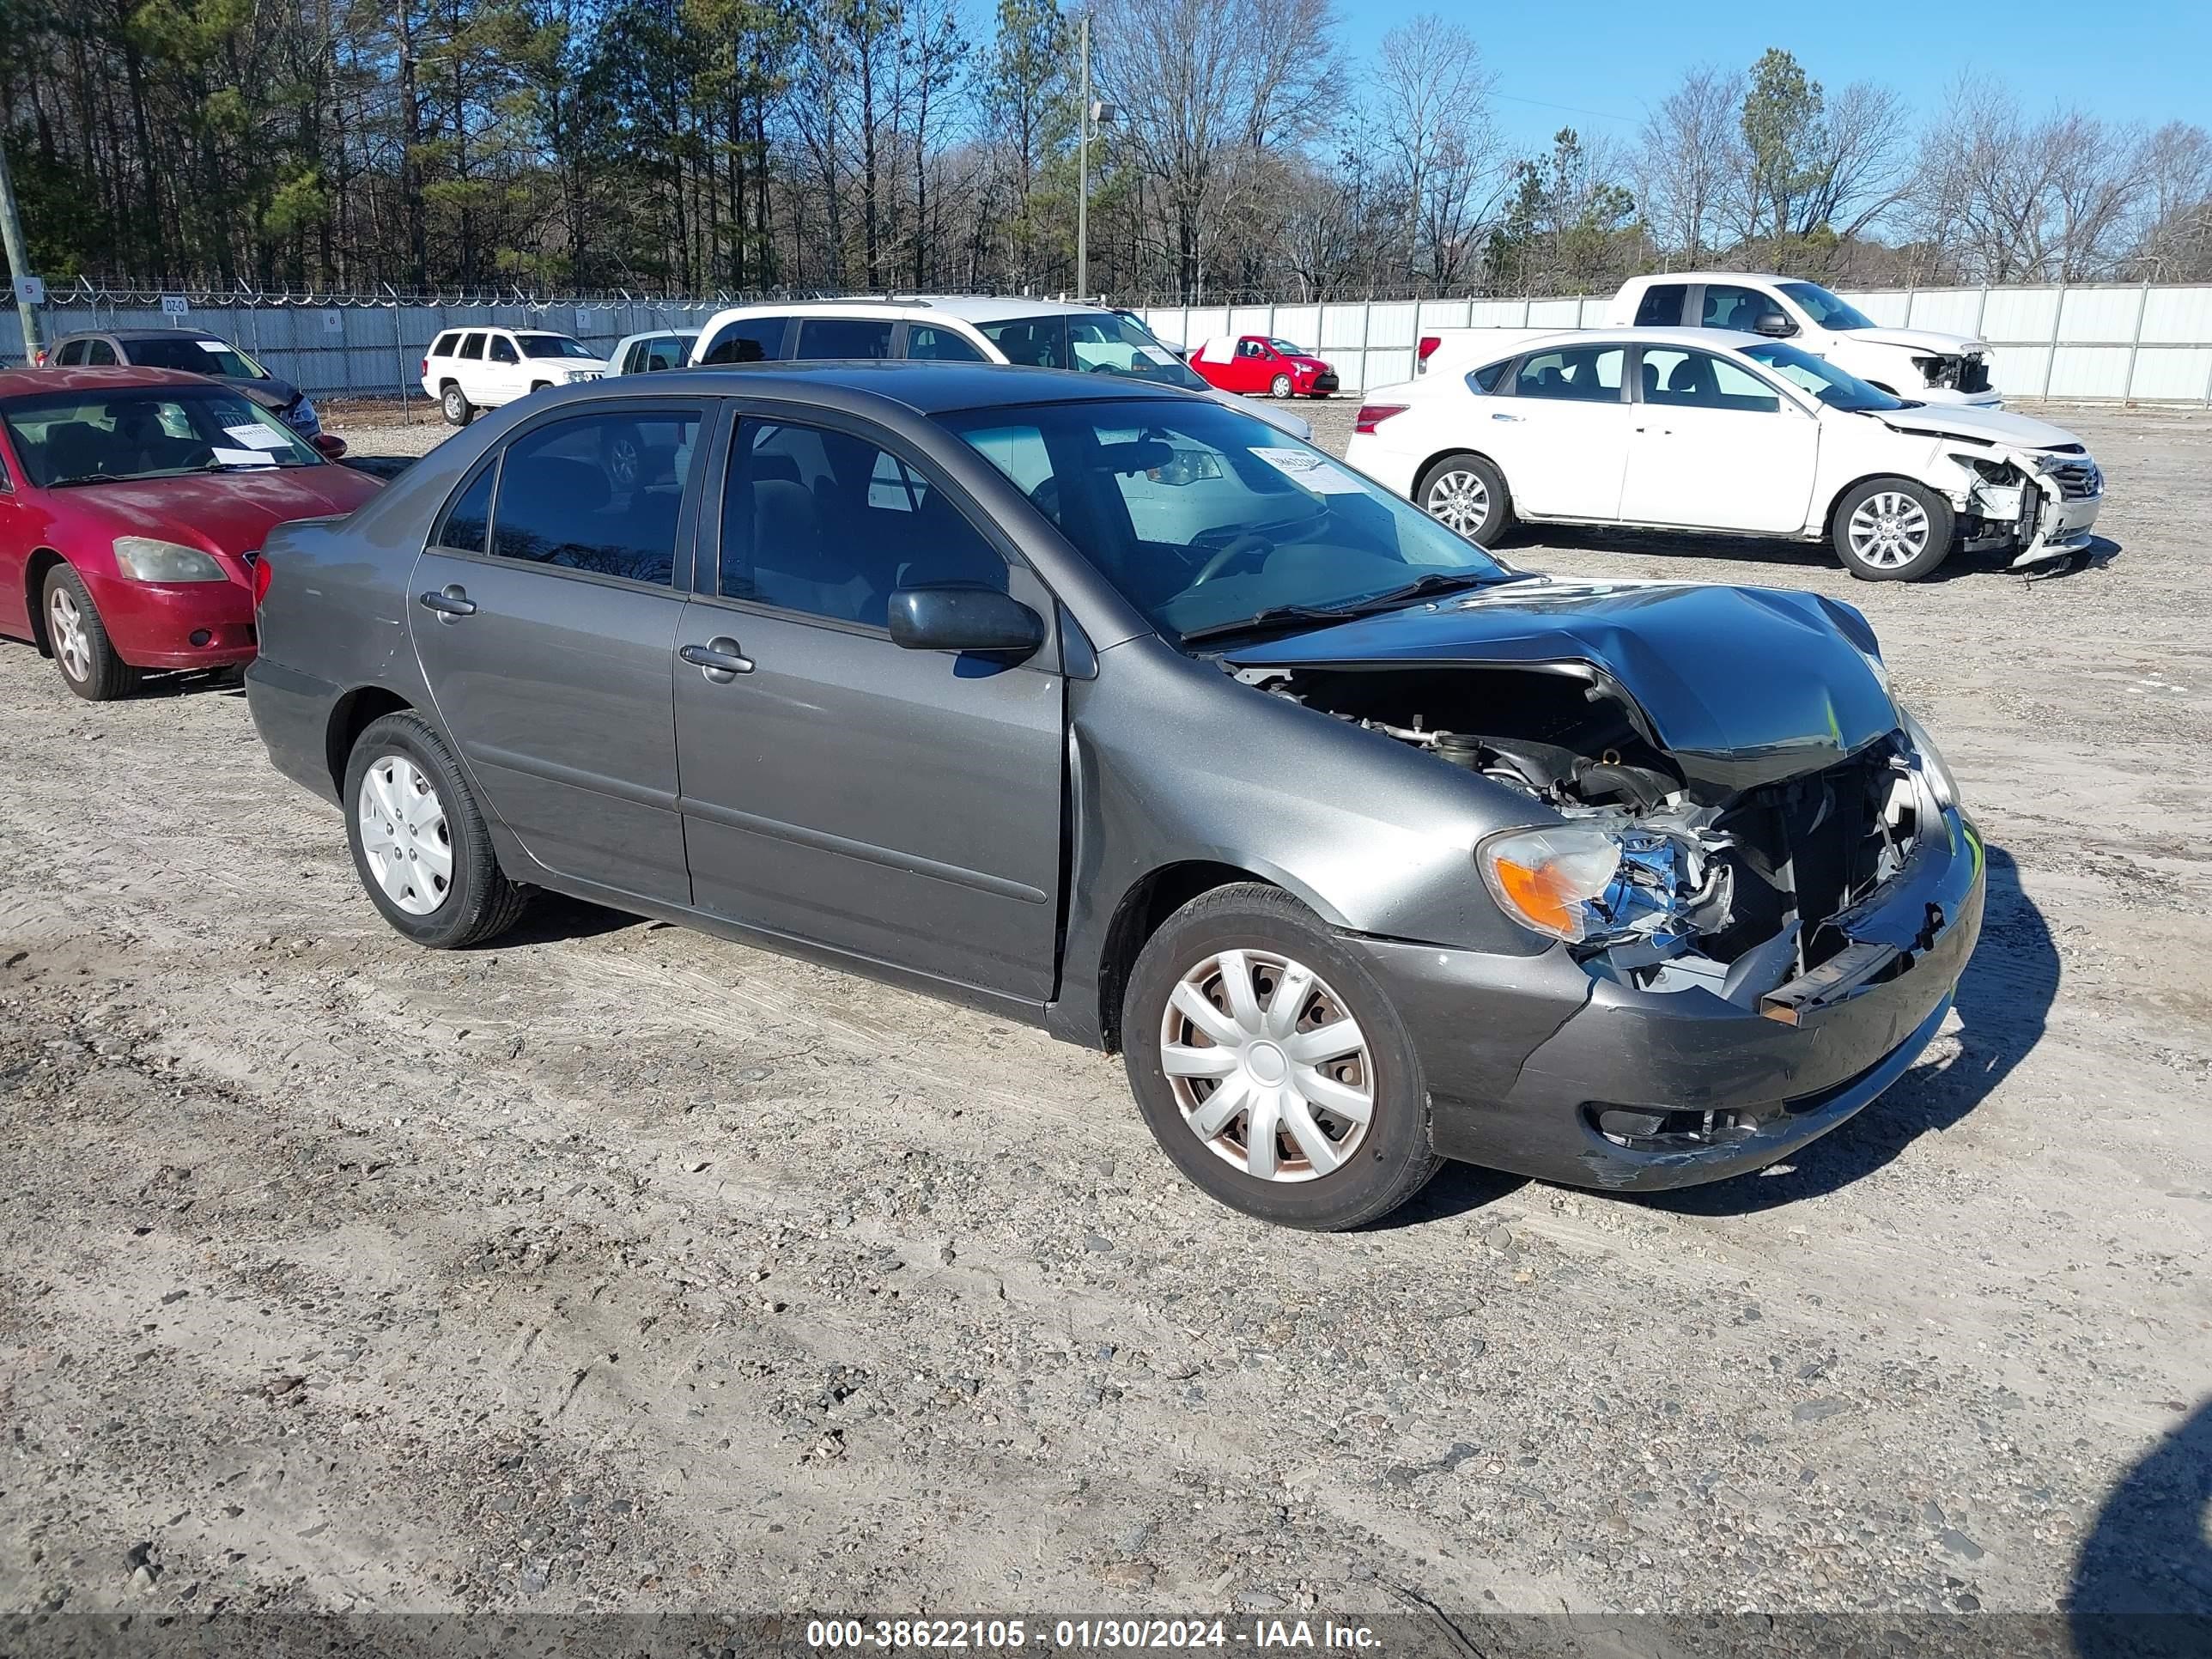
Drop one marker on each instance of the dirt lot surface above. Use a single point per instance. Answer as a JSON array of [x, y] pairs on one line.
[[620, 1267]]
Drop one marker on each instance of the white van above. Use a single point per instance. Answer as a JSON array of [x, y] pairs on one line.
[[472, 368], [1043, 333]]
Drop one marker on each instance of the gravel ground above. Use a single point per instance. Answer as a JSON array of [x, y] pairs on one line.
[[619, 1267]]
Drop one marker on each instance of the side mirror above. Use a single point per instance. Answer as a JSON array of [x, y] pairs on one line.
[[1774, 326], [980, 621], [328, 445]]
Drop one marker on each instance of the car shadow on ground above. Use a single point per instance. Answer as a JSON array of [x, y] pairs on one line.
[[1795, 556], [557, 919], [2142, 1584], [2003, 1000]]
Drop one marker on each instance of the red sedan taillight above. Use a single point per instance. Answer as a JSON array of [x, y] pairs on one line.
[[262, 578], [426, 365], [1429, 345], [1371, 415]]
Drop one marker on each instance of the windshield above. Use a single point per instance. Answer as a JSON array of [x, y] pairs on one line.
[[1289, 350], [217, 357], [153, 432], [552, 345], [1099, 340], [1825, 308], [1207, 519], [1831, 385]]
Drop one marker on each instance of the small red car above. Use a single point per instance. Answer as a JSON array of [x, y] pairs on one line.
[[1252, 363], [132, 503]]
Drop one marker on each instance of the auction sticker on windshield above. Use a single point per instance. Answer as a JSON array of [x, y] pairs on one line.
[[258, 437], [1314, 472]]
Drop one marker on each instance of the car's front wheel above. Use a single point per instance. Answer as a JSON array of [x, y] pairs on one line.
[[459, 411], [1467, 492], [1271, 1066], [75, 633], [1891, 530], [1280, 386], [418, 838]]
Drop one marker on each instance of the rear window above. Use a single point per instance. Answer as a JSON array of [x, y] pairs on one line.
[[748, 340], [1663, 306], [1487, 378], [1584, 374], [443, 345]]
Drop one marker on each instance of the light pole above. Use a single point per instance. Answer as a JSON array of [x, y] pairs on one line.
[[18, 260], [1088, 115]]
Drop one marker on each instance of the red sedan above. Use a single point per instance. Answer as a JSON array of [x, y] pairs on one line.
[[1254, 363], [132, 501]]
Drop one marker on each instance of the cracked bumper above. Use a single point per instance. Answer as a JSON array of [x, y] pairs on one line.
[[1520, 1053]]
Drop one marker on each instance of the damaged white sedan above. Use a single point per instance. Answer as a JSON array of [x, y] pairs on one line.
[[1703, 429]]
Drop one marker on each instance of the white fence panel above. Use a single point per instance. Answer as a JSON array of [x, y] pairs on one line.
[[2178, 316], [2017, 316], [1946, 311], [2167, 374], [1555, 313], [1299, 325], [1444, 313], [2018, 371], [1394, 324], [1201, 324], [1498, 313], [1250, 319], [1888, 308], [2098, 316], [1343, 328], [2088, 371]]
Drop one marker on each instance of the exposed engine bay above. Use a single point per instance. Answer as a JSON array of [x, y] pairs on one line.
[[1687, 879]]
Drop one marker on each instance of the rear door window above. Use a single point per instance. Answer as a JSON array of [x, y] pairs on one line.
[[473, 348], [667, 352], [600, 493], [935, 344], [1587, 375], [1729, 307], [748, 340], [98, 354], [826, 337], [468, 520]]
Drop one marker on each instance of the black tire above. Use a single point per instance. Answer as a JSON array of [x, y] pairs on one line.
[[1280, 386], [540, 385], [454, 404], [1496, 522], [622, 455], [100, 675], [1940, 529], [479, 902], [1389, 1163]]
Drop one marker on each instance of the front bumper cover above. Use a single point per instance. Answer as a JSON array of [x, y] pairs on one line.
[[1521, 1055]]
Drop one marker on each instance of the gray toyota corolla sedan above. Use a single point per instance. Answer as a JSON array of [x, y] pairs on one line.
[[1108, 708]]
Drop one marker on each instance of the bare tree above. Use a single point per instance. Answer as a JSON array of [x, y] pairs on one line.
[[1689, 160], [1201, 84], [2175, 243], [1432, 106]]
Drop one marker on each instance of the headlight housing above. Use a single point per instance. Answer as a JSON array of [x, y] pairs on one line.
[[1599, 884], [1933, 766], [148, 559]]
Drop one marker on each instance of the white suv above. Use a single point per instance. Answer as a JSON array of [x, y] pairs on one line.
[[1043, 333], [472, 368]]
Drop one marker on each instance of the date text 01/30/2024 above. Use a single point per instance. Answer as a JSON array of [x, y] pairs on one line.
[[1164, 1635]]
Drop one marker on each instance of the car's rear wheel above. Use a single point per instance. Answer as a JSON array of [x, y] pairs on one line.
[[1280, 386], [418, 838], [1467, 492], [458, 411], [1271, 1066], [78, 639], [1891, 530]]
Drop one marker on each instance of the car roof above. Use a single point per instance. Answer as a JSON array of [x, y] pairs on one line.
[[1726, 339], [23, 382], [1714, 276], [967, 307], [925, 388], [129, 334]]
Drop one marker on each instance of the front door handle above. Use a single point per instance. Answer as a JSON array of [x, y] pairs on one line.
[[452, 602], [1500, 415], [720, 659]]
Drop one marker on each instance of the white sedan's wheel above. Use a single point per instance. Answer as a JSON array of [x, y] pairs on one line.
[[1269, 1070], [403, 834], [1888, 530], [65, 628], [1460, 501]]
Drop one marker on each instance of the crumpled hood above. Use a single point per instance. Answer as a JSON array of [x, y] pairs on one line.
[[1917, 339], [1990, 425], [1742, 685]]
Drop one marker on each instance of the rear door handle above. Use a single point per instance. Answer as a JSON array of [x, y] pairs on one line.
[[720, 659], [1499, 414], [453, 601]]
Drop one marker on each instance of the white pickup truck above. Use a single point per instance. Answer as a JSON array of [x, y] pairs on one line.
[[1907, 363]]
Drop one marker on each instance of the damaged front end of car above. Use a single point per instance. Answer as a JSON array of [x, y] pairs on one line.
[[2037, 504], [1754, 865]]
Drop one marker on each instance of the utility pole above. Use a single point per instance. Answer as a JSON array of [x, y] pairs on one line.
[[1082, 176], [19, 257]]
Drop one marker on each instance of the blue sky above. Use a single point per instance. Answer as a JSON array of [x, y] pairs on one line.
[[2148, 60]]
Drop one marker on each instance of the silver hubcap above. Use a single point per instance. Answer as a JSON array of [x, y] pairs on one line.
[[453, 403], [1889, 529], [1460, 501], [622, 461], [1282, 387], [65, 624], [1267, 1065], [403, 835]]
